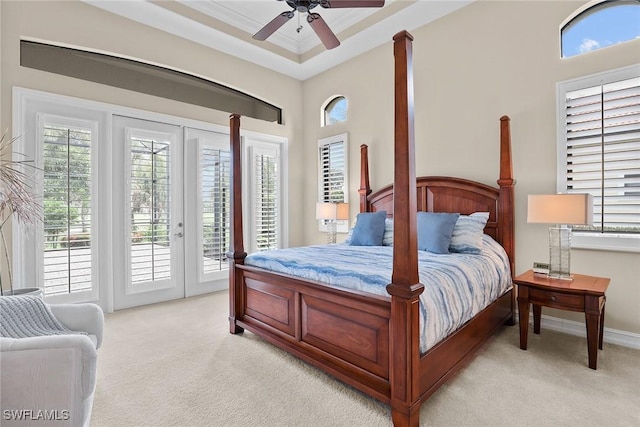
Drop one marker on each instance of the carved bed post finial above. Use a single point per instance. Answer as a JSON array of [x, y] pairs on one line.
[[365, 187], [236, 254], [405, 289], [506, 166]]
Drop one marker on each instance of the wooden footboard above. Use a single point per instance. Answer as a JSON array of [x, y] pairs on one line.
[[344, 333]]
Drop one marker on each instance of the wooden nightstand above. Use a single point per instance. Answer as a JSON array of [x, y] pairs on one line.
[[584, 294]]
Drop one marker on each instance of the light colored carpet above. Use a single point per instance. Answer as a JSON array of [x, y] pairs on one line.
[[175, 364]]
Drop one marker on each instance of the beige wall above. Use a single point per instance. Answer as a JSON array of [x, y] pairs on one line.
[[78, 24], [485, 60], [488, 59]]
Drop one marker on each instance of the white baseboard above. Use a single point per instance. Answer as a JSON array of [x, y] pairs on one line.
[[613, 336]]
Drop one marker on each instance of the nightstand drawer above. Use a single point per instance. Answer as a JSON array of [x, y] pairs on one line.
[[556, 300]]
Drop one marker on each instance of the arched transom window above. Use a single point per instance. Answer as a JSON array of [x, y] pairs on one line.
[[600, 24], [335, 111]]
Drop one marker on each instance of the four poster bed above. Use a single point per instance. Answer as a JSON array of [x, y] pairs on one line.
[[374, 342]]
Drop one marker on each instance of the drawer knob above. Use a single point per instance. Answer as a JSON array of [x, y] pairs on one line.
[[554, 298]]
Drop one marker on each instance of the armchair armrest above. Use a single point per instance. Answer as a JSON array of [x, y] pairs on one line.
[[49, 372], [85, 317]]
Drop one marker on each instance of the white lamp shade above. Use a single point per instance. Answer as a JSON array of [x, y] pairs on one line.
[[567, 209], [332, 211]]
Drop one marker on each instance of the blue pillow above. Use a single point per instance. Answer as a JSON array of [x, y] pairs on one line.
[[435, 230], [369, 229]]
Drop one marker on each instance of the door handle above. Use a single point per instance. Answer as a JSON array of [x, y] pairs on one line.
[[179, 234]]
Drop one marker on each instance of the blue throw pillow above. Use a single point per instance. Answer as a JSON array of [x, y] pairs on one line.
[[369, 229], [435, 230]]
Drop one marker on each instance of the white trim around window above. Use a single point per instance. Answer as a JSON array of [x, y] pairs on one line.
[[594, 240]]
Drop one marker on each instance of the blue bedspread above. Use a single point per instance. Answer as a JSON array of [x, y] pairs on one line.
[[457, 286]]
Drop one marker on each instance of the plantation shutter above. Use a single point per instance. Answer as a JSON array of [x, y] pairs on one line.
[[267, 199], [332, 165], [67, 214], [603, 152], [150, 200], [216, 206]]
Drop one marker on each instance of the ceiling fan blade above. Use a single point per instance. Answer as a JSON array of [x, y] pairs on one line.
[[272, 26], [323, 31], [335, 4]]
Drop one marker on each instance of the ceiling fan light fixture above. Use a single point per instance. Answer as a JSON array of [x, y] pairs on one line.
[[318, 24]]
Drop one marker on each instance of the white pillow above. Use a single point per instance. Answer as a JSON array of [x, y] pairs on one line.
[[467, 233], [387, 239]]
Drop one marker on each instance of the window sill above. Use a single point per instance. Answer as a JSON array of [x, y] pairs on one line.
[[606, 242]]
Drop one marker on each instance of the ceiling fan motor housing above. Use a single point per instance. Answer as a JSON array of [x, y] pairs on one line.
[[302, 6], [327, 37]]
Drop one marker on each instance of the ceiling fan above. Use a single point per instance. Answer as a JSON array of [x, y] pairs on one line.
[[316, 22]]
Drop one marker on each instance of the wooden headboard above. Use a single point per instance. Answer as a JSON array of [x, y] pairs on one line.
[[449, 194], [446, 194]]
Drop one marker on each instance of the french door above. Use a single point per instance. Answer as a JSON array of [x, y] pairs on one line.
[[147, 212], [136, 206], [207, 216]]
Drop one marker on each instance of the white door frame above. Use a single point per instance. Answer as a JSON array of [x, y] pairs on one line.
[[26, 102], [197, 280], [126, 292]]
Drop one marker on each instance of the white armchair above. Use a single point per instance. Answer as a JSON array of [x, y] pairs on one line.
[[52, 377]]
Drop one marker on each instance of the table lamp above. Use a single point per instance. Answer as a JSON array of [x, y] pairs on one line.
[[332, 212], [562, 210]]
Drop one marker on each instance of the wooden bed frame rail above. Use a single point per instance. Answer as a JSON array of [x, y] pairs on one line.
[[373, 342]]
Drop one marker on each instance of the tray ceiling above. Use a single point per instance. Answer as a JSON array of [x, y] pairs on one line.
[[227, 26]]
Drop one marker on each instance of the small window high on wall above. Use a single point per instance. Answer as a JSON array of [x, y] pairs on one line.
[[600, 24], [335, 110]]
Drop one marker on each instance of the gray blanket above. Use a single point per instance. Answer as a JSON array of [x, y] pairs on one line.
[[23, 316]]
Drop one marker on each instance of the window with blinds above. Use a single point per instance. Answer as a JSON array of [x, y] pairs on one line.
[[333, 174], [332, 171], [602, 150], [267, 196], [150, 199], [215, 193], [67, 213]]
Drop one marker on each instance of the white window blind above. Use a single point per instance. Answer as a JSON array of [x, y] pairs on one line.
[[602, 152], [150, 200], [332, 171], [67, 213], [215, 190], [266, 199], [333, 175]]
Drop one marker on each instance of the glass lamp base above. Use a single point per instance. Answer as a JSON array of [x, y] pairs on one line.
[[331, 232], [560, 253]]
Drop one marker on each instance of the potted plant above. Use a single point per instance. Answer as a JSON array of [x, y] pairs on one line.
[[17, 202]]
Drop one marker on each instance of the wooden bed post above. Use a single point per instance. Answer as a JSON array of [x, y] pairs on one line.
[[365, 188], [405, 287], [236, 254], [506, 182]]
